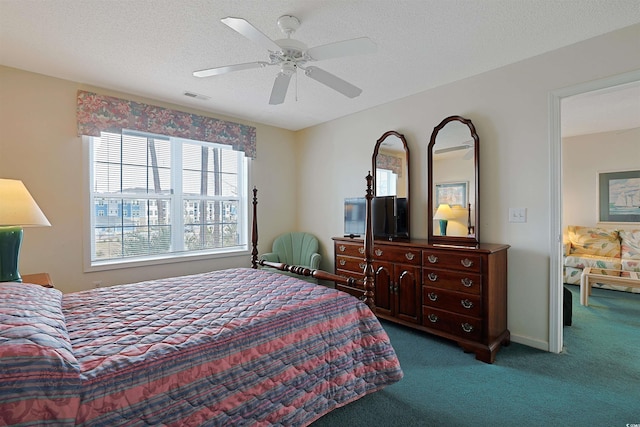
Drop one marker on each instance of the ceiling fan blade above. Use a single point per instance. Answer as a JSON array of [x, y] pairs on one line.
[[280, 87], [228, 69], [243, 27], [357, 46], [334, 82]]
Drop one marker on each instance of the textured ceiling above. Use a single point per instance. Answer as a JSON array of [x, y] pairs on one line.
[[151, 47]]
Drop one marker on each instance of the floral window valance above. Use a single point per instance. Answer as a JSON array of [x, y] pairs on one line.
[[99, 113], [392, 163]]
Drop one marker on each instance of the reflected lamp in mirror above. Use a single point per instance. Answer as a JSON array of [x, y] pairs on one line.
[[17, 210], [443, 214]]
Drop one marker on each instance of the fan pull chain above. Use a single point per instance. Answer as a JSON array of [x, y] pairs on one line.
[[296, 84]]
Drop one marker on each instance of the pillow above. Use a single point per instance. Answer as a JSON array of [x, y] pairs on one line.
[[40, 376], [630, 244], [594, 241]]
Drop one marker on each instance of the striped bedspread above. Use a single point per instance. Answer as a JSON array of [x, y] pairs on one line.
[[230, 347]]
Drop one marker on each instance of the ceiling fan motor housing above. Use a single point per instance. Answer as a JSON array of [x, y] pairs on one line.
[[291, 49], [288, 67]]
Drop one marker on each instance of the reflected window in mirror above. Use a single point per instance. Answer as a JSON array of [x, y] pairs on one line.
[[390, 163], [453, 181]]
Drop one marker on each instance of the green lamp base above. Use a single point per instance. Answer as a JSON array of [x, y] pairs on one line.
[[10, 240], [443, 227]]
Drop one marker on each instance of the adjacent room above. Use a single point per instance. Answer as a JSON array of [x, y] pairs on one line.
[[432, 176]]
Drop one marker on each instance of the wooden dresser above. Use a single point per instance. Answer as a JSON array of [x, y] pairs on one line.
[[455, 292]]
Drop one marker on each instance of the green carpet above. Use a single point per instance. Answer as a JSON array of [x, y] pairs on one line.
[[595, 381]]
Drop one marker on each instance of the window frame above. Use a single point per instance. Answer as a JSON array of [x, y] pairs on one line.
[[242, 249]]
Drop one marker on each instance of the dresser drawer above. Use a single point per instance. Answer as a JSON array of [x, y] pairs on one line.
[[462, 326], [355, 265], [355, 249], [452, 280], [469, 305], [454, 261], [397, 254]]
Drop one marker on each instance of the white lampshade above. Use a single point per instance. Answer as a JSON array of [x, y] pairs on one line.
[[443, 212], [17, 207]]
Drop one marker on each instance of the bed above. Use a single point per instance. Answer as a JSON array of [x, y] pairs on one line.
[[242, 346]]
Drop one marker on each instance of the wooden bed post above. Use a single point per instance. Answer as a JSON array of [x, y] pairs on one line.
[[369, 276], [254, 232]]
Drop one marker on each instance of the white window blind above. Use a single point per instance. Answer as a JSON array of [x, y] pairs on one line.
[[155, 197]]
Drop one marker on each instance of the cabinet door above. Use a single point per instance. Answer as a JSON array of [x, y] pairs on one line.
[[407, 292], [384, 288]]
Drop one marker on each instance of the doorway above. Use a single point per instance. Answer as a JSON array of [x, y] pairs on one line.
[[555, 137]]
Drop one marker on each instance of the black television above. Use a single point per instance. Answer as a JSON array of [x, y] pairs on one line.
[[389, 217], [355, 210]]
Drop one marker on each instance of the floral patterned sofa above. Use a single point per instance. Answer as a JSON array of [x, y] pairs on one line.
[[600, 248]]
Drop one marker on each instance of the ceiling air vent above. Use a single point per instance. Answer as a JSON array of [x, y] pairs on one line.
[[197, 96]]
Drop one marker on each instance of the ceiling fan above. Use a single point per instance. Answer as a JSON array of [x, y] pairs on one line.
[[290, 54], [467, 145]]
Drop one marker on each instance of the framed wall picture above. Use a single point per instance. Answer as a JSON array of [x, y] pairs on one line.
[[452, 193], [619, 196]]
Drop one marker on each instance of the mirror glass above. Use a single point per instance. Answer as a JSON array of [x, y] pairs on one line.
[[390, 165], [453, 182]]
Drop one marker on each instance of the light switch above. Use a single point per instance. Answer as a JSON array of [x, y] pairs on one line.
[[517, 214]]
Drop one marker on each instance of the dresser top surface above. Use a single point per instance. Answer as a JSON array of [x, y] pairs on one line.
[[424, 244]]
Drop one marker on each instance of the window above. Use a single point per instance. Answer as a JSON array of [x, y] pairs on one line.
[[158, 197], [386, 182]]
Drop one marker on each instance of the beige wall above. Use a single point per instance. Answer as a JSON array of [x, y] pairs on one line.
[[583, 157], [39, 145], [510, 110]]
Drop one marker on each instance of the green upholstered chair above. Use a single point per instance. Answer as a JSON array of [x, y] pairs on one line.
[[296, 248]]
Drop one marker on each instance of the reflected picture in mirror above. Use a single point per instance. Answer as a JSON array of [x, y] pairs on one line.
[[453, 172]]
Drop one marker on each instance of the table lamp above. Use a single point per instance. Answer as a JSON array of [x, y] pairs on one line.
[[17, 210], [443, 213]]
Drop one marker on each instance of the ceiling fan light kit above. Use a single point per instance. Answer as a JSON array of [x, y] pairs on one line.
[[291, 54]]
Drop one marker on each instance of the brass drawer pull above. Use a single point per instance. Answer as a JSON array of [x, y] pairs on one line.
[[466, 303], [361, 250], [378, 252], [433, 296], [342, 248], [342, 262], [467, 327], [410, 256], [466, 262], [433, 318], [432, 276], [432, 259], [466, 282]]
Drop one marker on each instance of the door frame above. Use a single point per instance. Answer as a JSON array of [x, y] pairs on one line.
[[555, 195]]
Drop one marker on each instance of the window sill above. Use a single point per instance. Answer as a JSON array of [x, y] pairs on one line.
[[161, 259]]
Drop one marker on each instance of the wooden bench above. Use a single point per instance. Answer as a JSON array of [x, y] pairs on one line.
[[588, 277]]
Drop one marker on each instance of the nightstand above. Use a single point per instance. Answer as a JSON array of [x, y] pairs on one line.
[[41, 279]]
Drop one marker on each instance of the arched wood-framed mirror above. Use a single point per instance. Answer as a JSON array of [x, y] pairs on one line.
[[453, 165], [390, 165]]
